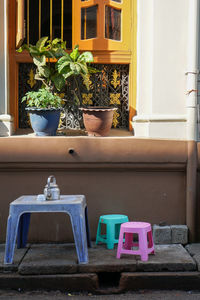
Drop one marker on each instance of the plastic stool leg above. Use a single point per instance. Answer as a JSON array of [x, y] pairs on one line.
[[11, 235], [110, 235], [98, 232], [120, 243], [80, 236], [143, 245], [87, 228], [117, 231], [128, 240], [23, 230], [150, 239]]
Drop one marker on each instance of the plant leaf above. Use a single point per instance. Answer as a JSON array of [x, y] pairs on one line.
[[61, 67], [44, 71], [59, 81], [56, 41], [68, 74], [59, 53], [75, 53], [34, 51], [75, 68], [83, 67], [41, 43], [86, 57], [39, 61]]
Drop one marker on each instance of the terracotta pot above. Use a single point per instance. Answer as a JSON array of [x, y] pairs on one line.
[[98, 120]]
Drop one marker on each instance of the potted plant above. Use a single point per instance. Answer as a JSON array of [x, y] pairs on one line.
[[97, 120], [44, 111], [44, 105], [53, 77]]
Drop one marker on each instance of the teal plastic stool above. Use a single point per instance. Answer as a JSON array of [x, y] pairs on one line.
[[113, 223]]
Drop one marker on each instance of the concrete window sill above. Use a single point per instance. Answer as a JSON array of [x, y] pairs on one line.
[[113, 133]]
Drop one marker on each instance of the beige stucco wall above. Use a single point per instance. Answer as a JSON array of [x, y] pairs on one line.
[[144, 179], [161, 66]]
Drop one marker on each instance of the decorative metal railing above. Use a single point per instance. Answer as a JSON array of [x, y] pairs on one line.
[[110, 87]]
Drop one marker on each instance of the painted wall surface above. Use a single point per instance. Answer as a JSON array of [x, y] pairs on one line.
[[161, 66], [144, 179], [170, 56]]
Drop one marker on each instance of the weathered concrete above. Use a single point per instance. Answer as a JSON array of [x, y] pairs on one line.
[[70, 282], [44, 267], [62, 259], [19, 254], [168, 258], [179, 234], [162, 234], [49, 259], [158, 280], [194, 250], [104, 260]]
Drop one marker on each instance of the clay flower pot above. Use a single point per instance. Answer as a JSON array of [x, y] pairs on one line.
[[98, 120]]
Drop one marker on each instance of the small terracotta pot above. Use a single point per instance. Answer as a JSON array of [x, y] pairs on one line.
[[98, 120]]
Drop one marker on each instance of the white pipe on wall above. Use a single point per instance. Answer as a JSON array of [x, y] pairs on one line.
[[192, 69]]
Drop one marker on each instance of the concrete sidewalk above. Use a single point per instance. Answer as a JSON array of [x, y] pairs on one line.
[[55, 267]]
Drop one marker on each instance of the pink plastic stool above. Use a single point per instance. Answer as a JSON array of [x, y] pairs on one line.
[[145, 241]]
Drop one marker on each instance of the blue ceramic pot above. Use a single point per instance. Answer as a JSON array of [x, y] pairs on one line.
[[44, 121]]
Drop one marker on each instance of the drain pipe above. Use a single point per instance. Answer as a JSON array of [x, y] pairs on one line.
[[192, 72]]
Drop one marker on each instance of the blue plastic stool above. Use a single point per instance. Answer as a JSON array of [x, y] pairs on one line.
[[19, 220], [113, 223]]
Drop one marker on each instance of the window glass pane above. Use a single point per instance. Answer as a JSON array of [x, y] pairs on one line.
[[89, 22], [113, 23], [119, 1]]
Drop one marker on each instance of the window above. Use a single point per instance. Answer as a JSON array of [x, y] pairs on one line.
[[102, 25], [52, 18]]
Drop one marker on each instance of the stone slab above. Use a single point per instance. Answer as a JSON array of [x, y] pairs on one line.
[[159, 280], [193, 249], [102, 259], [161, 234], [62, 282], [197, 260], [179, 234], [18, 255], [168, 258], [49, 259]]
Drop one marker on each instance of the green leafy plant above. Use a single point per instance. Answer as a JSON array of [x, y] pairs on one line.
[[43, 98], [76, 64], [43, 53], [54, 65]]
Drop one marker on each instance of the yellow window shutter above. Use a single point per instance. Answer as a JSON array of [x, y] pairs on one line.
[[102, 24], [20, 23]]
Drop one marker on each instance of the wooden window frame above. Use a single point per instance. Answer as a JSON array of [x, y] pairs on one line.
[[100, 42]]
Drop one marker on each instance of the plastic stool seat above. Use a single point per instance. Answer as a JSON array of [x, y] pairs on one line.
[[113, 223], [145, 240], [19, 219]]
